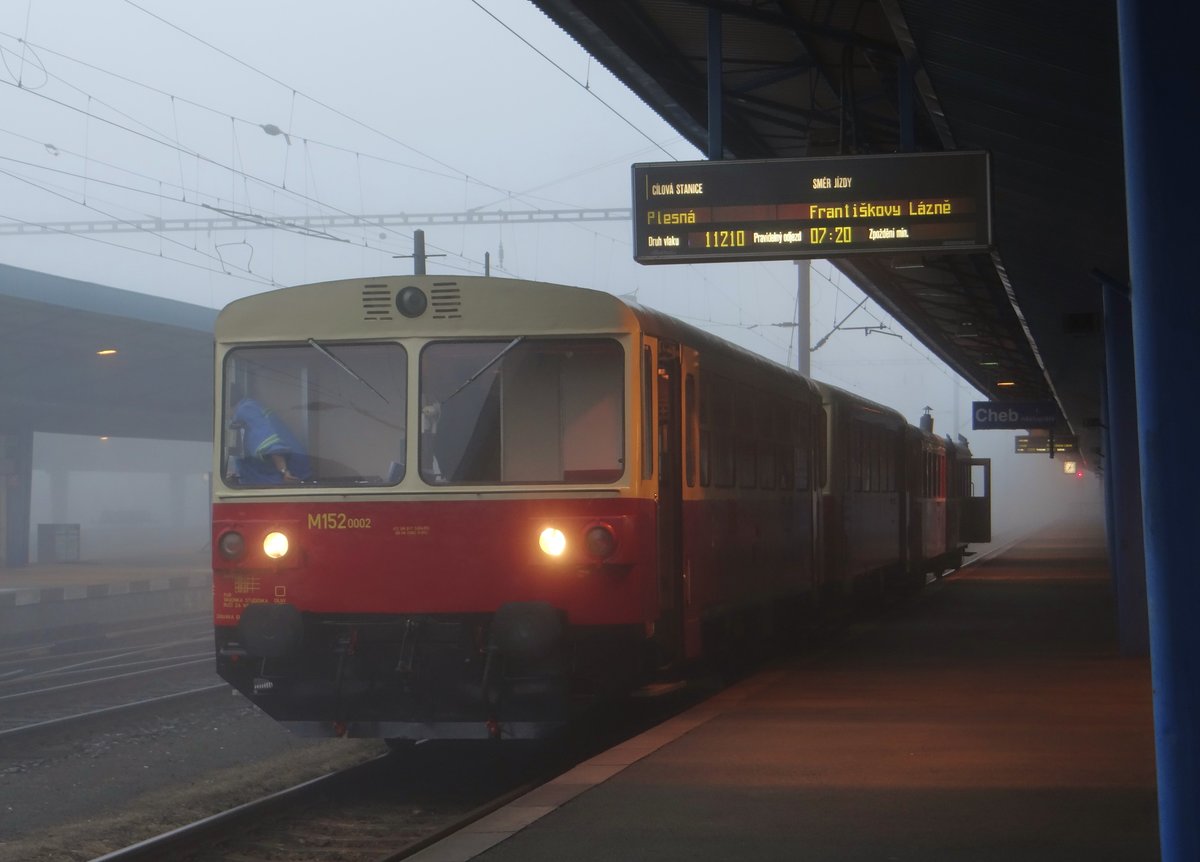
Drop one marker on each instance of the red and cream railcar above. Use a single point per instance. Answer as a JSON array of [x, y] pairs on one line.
[[452, 507]]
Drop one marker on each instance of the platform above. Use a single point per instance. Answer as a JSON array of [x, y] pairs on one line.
[[51, 597], [990, 719]]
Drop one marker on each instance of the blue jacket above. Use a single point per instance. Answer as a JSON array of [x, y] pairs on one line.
[[263, 435]]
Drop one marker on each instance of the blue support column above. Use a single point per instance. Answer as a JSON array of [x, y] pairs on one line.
[[1122, 472], [1161, 114]]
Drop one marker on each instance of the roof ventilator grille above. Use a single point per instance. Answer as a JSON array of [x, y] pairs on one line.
[[377, 302], [446, 301]]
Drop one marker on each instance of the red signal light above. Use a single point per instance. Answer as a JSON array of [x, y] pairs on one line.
[[1078, 474]]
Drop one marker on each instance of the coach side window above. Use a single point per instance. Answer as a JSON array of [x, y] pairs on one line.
[[787, 433], [705, 432], [767, 444], [822, 446], [871, 458], [745, 429], [648, 417], [723, 433], [689, 429], [854, 474]]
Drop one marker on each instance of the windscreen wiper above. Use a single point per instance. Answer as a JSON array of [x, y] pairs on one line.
[[485, 367], [342, 365]]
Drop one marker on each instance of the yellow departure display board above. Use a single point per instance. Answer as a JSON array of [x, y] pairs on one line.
[[1024, 444], [777, 209]]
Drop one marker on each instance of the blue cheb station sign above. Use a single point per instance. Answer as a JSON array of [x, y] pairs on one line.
[[1001, 415]]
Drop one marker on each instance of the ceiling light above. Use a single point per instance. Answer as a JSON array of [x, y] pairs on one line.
[[108, 351], [1006, 383]]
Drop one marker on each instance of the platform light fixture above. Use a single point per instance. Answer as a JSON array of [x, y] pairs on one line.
[[1006, 383], [108, 351]]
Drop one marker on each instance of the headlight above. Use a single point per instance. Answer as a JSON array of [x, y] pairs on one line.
[[231, 545], [552, 541], [275, 545]]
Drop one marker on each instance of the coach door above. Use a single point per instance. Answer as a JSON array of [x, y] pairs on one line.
[[668, 443], [976, 526]]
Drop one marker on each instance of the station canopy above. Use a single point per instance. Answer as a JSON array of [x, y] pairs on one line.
[[1035, 85], [59, 376]]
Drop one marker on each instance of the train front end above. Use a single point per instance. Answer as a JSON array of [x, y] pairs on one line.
[[423, 521]]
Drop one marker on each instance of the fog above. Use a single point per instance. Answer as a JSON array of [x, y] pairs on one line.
[[126, 500], [118, 112]]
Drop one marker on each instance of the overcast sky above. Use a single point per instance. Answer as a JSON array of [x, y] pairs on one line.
[[124, 110]]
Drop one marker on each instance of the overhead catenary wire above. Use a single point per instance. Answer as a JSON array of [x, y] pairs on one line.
[[161, 139], [165, 139], [293, 91], [235, 172], [584, 85]]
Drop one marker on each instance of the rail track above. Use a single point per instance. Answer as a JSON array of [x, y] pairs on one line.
[[56, 682], [378, 810], [388, 808]]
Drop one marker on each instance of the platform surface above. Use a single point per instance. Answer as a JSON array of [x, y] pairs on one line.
[[90, 573], [991, 719]]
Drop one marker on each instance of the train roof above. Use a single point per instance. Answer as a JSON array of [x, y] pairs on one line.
[[829, 393], [460, 306], [662, 324]]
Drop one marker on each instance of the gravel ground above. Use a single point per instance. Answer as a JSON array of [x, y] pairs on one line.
[[75, 795]]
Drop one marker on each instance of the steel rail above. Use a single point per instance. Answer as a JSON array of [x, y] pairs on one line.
[[92, 666], [204, 832], [107, 710], [73, 685]]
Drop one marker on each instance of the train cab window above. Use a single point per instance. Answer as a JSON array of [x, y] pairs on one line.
[[522, 410], [324, 414]]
